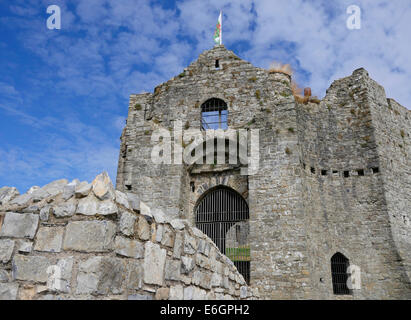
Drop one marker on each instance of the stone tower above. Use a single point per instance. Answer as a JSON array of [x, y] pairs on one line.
[[333, 178]]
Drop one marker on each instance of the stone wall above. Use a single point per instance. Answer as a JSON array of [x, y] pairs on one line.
[[345, 190], [84, 240]]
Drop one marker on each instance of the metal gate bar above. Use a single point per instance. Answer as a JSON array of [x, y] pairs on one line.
[[223, 215]]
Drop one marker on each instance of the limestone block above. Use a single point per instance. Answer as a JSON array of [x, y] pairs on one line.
[[103, 188], [134, 201], [18, 225], [127, 223], [107, 207], [216, 280], [21, 200], [188, 293], [122, 199], [243, 292], [88, 206], [69, 189], [154, 263], [49, 239], [39, 194], [30, 268], [176, 293], [202, 279], [24, 246], [187, 264], [172, 271], [129, 248], [8, 291], [199, 294], [59, 275], [177, 224], [82, 189], [4, 276], [55, 187], [101, 276], [189, 244], [143, 228], [162, 294], [45, 213], [89, 236], [66, 209], [204, 247], [7, 194], [6, 250], [134, 274], [178, 245]]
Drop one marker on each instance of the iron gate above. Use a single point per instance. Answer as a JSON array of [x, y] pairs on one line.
[[339, 266], [223, 215]]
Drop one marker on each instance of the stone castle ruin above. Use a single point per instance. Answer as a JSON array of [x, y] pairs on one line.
[[321, 211]]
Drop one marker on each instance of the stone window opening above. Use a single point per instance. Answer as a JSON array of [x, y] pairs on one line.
[[217, 64], [192, 186], [324, 172], [346, 174], [339, 267], [128, 187], [214, 114], [360, 172], [375, 170], [312, 170]]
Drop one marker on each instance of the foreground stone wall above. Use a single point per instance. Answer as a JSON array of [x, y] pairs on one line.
[[84, 240]]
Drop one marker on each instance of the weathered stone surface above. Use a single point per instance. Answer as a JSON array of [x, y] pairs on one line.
[[33, 189], [45, 212], [162, 294], [178, 245], [168, 237], [4, 276], [187, 264], [204, 247], [107, 207], [127, 223], [216, 280], [177, 224], [89, 236], [55, 187], [129, 248], [82, 189], [17, 225], [188, 293], [88, 206], [190, 245], [21, 200], [159, 216], [172, 271], [202, 279], [30, 268], [66, 209], [134, 274], [103, 188], [143, 228], [6, 250], [31, 209], [24, 246], [154, 263], [59, 275], [159, 233], [49, 239], [122, 199], [69, 189], [8, 291], [145, 210], [134, 201], [7, 194], [176, 293], [199, 294], [101, 275], [39, 194]]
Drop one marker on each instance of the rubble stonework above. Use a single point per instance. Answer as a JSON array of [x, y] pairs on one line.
[[334, 175], [100, 253]]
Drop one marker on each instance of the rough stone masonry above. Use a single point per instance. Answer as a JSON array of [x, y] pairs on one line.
[[334, 174], [334, 179], [82, 240]]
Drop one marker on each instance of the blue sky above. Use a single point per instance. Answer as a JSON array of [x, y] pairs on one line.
[[64, 93]]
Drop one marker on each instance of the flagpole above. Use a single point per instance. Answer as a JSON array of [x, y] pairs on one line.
[[221, 28]]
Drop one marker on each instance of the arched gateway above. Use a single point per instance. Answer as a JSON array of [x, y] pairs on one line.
[[223, 215]]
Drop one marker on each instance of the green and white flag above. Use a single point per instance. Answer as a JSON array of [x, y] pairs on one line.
[[218, 34]]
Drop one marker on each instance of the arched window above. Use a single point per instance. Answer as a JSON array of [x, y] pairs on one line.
[[222, 214], [339, 266], [214, 114]]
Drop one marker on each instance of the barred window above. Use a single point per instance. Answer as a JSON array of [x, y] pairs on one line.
[[214, 114], [339, 266]]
